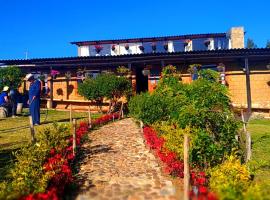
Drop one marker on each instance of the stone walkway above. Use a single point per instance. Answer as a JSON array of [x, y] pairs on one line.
[[119, 166]]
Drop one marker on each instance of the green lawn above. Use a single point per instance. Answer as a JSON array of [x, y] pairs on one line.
[[15, 133], [260, 163]]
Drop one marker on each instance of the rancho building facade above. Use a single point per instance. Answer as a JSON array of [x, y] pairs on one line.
[[246, 72]]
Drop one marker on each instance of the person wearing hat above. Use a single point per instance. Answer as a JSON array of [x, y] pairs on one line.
[[4, 101], [34, 98], [4, 96]]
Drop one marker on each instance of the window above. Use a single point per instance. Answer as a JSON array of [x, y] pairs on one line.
[[92, 73]]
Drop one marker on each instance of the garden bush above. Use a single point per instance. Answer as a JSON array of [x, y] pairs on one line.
[[203, 106], [28, 175], [10, 76], [148, 108], [105, 86], [173, 136], [231, 179]]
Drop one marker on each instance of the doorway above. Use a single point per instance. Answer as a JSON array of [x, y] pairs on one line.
[[141, 81]]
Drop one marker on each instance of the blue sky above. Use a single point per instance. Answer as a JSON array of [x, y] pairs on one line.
[[45, 28]]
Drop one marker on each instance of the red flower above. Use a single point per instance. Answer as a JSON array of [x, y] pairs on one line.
[[202, 189]]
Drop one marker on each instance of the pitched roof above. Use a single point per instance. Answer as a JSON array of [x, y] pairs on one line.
[[94, 60], [150, 39]]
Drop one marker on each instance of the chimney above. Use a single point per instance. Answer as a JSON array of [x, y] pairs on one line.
[[236, 37]]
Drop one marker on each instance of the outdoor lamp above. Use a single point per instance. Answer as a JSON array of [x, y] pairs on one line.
[[145, 72]]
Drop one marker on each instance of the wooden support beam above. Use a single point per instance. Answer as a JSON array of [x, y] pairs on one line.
[[248, 90]]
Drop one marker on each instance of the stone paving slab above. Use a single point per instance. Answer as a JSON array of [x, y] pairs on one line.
[[120, 166]]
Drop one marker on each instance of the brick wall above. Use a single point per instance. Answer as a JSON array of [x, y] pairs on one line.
[[260, 90]]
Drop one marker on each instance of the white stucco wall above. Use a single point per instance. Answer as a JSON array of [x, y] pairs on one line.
[[173, 46], [83, 51]]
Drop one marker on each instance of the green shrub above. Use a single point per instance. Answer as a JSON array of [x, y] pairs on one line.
[[10, 76], [173, 136], [148, 108], [231, 179], [105, 86], [28, 175], [203, 106]]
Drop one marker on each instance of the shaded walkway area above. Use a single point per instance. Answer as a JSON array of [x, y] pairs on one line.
[[118, 165]]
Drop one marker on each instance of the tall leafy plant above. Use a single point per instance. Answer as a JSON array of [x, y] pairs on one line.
[[203, 106], [105, 87], [10, 76]]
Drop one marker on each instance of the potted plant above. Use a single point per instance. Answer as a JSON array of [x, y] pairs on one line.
[[154, 46], [98, 48], [113, 47], [141, 48], [68, 75], [207, 42], [186, 42], [165, 45], [124, 71], [146, 71], [54, 73], [127, 46]]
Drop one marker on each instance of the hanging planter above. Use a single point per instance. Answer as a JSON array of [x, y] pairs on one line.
[[146, 72], [141, 48], [98, 48], [165, 45], [68, 75], [207, 43], [186, 42], [127, 47], [154, 46], [113, 47], [54, 73]]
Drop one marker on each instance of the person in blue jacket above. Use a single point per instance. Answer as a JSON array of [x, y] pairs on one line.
[[34, 98]]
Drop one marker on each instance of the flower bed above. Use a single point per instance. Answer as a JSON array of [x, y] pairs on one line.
[[60, 163], [175, 167], [43, 170]]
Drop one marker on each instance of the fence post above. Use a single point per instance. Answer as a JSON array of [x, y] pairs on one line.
[[121, 110], [32, 130], [74, 136], [89, 118], [70, 113], [248, 138], [186, 167], [141, 126]]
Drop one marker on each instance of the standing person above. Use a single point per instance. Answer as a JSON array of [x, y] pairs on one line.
[[13, 101], [34, 98]]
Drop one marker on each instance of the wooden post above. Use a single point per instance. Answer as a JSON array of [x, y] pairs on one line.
[[141, 126], [186, 167], [248, 138], [32, 130], [89, 118], [247, 72], [70, 113], [121, 110], [74, 136], [51, 93]]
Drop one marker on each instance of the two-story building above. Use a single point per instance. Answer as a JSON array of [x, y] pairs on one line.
[[246, 71], [234, 38]]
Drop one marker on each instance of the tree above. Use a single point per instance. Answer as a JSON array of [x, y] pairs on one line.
[[105, 86], [251, 44], [10, 76], [268, 44]]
